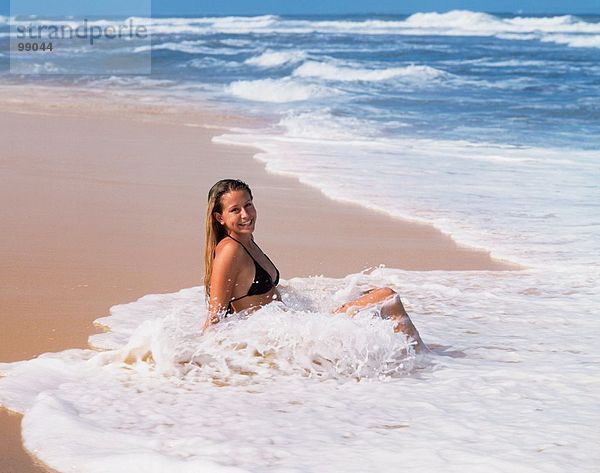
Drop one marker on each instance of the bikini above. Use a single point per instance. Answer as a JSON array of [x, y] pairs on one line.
[[262, 282]]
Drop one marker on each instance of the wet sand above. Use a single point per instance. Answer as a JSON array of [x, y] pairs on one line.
[[103, 202]]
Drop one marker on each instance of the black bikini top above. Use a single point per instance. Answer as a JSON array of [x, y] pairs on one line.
[[262, 282]]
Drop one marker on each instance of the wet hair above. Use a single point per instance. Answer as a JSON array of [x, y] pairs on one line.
[[215, 232]]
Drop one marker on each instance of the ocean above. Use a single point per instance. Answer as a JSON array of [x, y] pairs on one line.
[[486, 126]]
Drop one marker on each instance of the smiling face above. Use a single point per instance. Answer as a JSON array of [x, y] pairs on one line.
[[238, 214]]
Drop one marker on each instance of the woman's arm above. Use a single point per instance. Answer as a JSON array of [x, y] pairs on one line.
[[226, 268]]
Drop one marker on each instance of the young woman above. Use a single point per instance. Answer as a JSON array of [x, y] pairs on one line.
[[238, 276]]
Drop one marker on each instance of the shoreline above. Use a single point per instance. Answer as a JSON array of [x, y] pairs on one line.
[[107, 207]]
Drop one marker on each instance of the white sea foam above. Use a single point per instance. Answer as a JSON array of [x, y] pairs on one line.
[[164, 399], [244, 22], [276, 58], [325, 126], [546, 29], [452, 23], [191, 47], [575, 41], [428, 180], [464, 21], [210, 62], [513, 63], [344, 73], [276, 90], [456, 20], [184, 46], [236, 43], [565, 23], [202, 25]]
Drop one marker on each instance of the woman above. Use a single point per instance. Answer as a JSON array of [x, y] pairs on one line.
[[238, 276]]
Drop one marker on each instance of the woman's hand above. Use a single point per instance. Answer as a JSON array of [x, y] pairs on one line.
[[349, 308], [211, 319]]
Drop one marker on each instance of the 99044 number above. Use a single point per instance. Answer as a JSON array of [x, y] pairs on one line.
[[34, 47]]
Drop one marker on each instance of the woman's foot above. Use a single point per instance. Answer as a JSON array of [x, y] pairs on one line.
[[405, 325], [394, 310]]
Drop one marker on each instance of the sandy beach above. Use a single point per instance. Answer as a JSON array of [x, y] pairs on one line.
[[104, 201]]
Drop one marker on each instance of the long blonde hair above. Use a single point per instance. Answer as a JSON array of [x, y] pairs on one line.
[[215, 232]]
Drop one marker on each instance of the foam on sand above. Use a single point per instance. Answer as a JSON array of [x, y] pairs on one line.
[[300, 390], [458, 185]]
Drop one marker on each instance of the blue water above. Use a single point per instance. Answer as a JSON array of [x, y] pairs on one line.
[[517, 91], [490, 78]]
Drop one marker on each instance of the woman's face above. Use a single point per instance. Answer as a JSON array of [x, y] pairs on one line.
[[239, 214]]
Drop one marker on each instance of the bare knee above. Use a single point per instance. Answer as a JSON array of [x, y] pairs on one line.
[[385, 292]]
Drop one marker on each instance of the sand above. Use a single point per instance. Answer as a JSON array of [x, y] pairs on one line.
[[103, 202]]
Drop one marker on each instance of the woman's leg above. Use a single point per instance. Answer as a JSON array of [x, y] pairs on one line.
[[391, 308]]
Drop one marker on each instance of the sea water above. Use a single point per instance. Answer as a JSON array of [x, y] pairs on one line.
[[487, 127]]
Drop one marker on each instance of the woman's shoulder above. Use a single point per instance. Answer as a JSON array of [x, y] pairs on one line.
[[228, 249]]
